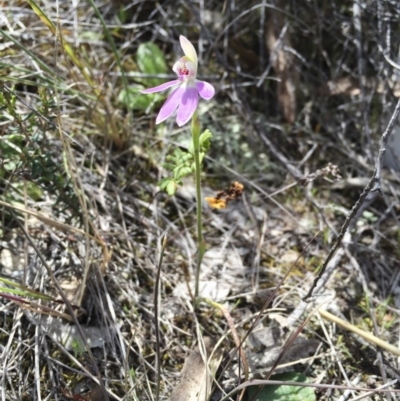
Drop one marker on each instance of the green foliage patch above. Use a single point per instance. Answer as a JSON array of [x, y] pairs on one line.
[[284, 392]]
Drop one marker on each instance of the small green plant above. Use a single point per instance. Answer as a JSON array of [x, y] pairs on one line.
[[77, 348], [132, 374], [181, 163], [284, 392], [28, 161], [151, 62]]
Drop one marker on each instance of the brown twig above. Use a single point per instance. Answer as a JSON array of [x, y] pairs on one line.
[[374, 184], [382, 148], [156, 320]]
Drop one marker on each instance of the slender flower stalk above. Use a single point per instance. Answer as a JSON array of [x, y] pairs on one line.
[[201, 249]]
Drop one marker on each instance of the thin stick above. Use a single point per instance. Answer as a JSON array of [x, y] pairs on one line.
[[266, 304], [156, 317], [382, 148], [339, 239], [374, 184]]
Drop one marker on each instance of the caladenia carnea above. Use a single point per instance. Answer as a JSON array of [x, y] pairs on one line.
[[184, 99]]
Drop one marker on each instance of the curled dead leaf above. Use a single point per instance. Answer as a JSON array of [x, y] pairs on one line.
[[223, 197]]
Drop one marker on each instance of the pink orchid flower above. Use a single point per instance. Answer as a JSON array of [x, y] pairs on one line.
[[186, 96]]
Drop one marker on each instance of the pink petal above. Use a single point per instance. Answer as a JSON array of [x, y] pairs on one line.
[[161, 87], [205, 89], [188, 105], [170, 105]]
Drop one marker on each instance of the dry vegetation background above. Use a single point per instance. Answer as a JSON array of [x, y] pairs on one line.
[[304, 91]]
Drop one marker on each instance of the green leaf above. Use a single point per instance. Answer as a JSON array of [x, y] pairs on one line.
[[10, 166], [134, 100], [150, 60], [205, 140], [34, 191], [181, 171], [122, 14], [163, 183], [169, 166], [186, 158], [180, 154], [284, 392], [171, 188], [169, 185], [91, 35], [11, 145]]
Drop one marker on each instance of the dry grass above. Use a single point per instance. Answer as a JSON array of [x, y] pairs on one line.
[[82, 220]]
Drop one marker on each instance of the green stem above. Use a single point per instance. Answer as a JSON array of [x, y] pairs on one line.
[[201, 244]]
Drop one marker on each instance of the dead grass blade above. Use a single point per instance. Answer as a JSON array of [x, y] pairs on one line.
[[28, 52], [365, 335], [67, 48], [65, 299], [113, 47]]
